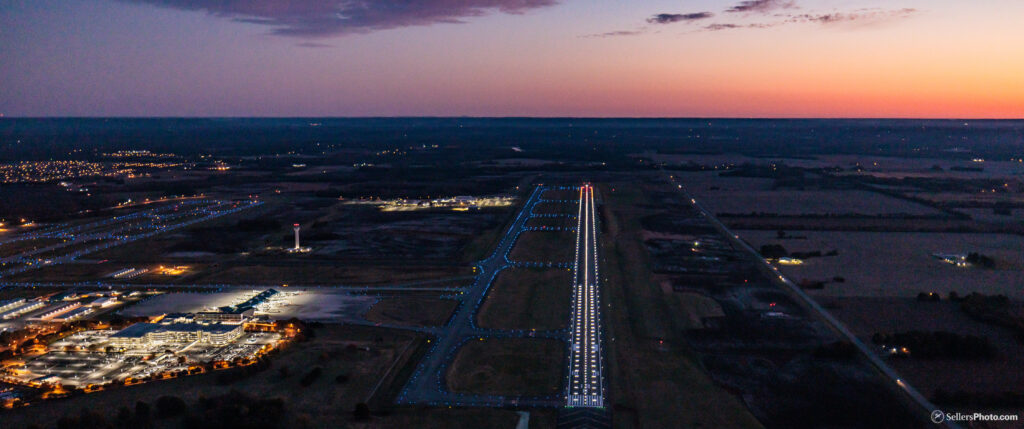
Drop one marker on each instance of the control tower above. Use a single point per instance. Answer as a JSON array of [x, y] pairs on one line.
[[298, 248]]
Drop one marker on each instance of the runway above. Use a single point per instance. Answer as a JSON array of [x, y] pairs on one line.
[[586, 373]]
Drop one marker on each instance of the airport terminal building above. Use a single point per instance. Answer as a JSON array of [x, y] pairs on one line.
[[177, 330]]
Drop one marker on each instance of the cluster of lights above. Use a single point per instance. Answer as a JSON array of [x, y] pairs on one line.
[[46, 171], [172, 271], [138, 154], [457, 203]]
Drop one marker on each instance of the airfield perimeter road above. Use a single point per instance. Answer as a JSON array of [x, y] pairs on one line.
[[586, 375], [924, 406]]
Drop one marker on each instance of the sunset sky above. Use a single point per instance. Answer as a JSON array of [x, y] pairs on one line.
[[602, 58]]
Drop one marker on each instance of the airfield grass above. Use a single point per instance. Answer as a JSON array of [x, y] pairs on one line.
[[416, 311], [71, 248], [309, 273], [544, 246], [17, 247], [560, 194], [481, 246], [694, 308], [220, 236], [461, 418], [68, 272], [558, 222], [509, 366], [330, 274], [152, 249], [556, 208], [646, 372], [27, 292], [528, 298], [323, 403]]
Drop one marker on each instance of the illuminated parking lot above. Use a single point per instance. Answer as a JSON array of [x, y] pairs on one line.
[[90, 358]]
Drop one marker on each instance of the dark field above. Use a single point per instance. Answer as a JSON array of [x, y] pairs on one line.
[[437, 235], [10, 249], [412, 311], [528, 298], [571, 208], [552, 222], [561, 194], [508, 367], [330, 274], [544, 247]]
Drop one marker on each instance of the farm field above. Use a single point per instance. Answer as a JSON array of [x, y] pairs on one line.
[[866, 316], [900, 264]]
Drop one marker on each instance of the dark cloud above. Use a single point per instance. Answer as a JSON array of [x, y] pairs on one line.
[[719, 27], [668, 18], [864, 16], [313, 45], [615, 33], [313, 18], [761, 5], [859, 17]]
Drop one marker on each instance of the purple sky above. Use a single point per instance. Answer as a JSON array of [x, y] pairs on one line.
[[779, 58]]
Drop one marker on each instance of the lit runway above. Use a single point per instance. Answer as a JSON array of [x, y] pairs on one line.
[[586, 378]]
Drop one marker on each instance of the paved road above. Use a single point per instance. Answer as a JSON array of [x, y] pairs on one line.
[[585, 387], [924, 405]]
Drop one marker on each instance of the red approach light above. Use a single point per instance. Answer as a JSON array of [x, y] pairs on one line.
[[771, 305], [295, 224]]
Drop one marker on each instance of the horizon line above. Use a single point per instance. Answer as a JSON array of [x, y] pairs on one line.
[[768, 118]]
